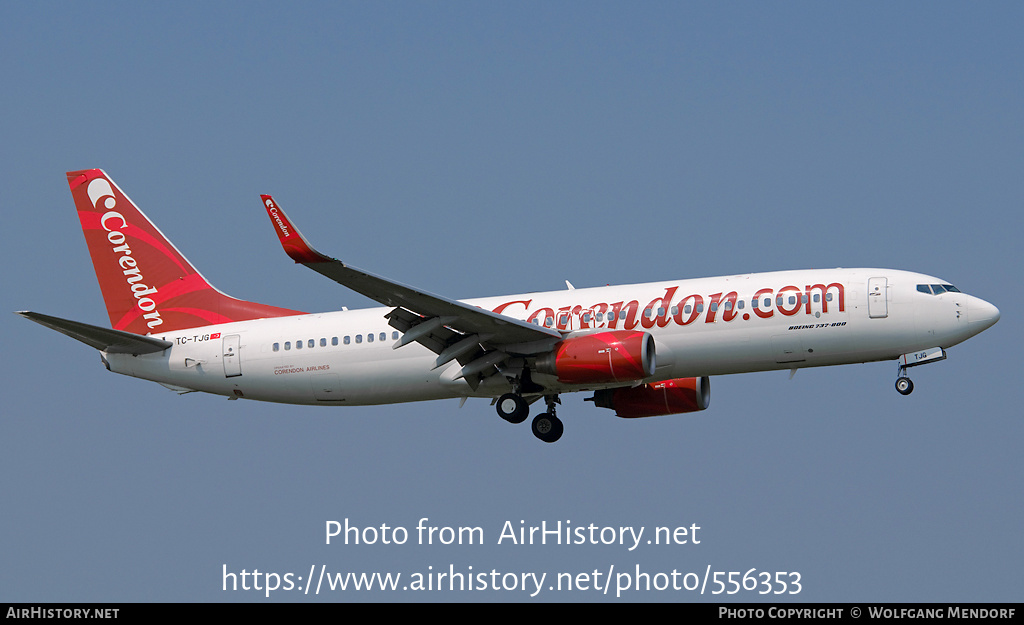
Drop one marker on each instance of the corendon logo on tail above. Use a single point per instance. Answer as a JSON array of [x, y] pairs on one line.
[[276, 215], [102, 197], [813, 299]]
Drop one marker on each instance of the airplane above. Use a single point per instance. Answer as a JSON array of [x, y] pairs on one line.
[[644, 350]]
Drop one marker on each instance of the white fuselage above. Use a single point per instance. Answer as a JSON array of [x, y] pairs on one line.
[[706, 326]]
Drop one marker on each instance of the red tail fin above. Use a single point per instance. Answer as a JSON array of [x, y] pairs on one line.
[[147, 284]]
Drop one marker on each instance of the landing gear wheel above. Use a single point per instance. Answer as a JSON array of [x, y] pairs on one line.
[[904, 386], [512, 408], [547, 427]]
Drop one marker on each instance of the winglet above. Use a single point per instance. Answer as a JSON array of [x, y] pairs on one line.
[[294, 244]]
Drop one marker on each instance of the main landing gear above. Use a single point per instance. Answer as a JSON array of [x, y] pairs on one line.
[[513, 408], [546, 426]]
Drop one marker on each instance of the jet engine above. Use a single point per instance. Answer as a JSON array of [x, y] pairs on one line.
[[600, 358], [654, 400]]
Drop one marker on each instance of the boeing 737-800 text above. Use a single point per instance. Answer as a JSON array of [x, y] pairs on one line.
[[643, 350]]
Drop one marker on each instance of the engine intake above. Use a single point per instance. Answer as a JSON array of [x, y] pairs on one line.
[[603, 357], [654, 400]]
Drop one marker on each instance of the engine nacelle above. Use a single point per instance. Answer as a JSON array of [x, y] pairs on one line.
[[602, 357], [654, 400]]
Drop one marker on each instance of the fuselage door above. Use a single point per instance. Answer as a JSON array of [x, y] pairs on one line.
[[877, 296], [232, 361]]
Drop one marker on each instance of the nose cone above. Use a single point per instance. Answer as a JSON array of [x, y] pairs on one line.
[[980, 314]]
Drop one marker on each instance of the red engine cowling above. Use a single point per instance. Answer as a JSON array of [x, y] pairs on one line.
[[654, 400], [603, 357]]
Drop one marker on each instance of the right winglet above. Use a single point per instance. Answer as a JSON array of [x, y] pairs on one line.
[[295, 245]]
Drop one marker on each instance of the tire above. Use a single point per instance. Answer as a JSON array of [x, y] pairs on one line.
[[512, 408], [904, 386], [547, 427]]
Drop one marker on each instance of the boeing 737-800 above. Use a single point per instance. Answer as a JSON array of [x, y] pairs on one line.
[[643, 350]]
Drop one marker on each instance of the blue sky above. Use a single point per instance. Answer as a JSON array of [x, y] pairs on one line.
[[477, 149]]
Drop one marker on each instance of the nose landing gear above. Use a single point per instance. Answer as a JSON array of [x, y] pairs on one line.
[[903, 384]]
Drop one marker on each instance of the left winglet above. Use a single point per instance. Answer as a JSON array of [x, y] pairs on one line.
[[295, 245]]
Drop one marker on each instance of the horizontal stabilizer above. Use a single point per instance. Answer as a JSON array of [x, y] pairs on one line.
[[103, 339]]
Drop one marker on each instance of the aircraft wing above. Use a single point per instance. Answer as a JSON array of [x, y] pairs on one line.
[[479, 339], [103, 339]]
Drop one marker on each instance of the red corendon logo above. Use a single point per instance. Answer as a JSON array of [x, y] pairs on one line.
[[100, 192], [661, 311]]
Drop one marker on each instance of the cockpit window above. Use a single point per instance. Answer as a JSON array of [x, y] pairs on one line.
[[937, 289]]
